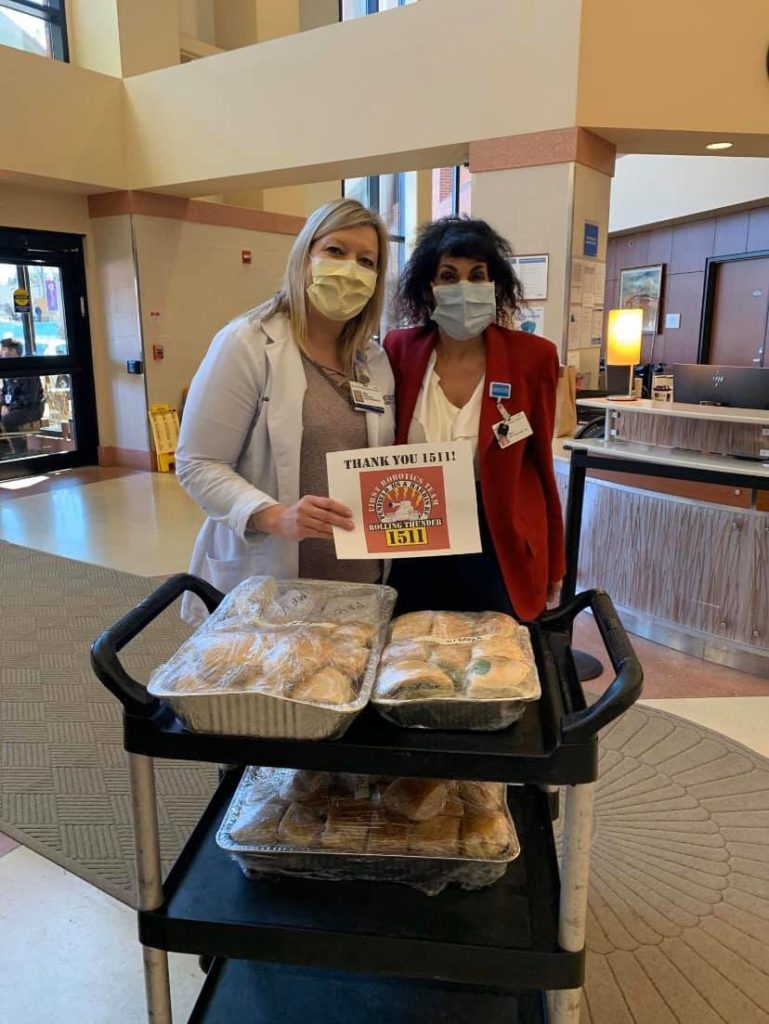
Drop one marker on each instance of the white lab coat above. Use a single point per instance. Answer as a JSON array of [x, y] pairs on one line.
[[240, 444]]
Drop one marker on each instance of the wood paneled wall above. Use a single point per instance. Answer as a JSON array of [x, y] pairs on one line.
[[683, 249]]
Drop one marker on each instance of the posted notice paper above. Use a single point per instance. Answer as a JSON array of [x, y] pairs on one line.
[[407, 501]]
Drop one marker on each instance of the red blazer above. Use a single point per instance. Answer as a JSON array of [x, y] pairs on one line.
[[520, 495]]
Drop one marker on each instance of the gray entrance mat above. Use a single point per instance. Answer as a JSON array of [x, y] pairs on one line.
[[678, 931], [63, 777]]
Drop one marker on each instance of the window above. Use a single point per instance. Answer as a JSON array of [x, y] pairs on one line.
[[349, 9], [36, 26], [451, 191], [393, 196]]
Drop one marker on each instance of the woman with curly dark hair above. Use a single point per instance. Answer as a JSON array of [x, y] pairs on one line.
[[461, 371]]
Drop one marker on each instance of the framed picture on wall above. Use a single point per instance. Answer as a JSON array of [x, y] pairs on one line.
[[642, 287]]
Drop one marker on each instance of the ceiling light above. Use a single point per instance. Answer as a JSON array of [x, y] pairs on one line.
[[719, 145]]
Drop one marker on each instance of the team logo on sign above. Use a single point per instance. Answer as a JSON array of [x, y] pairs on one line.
[[404, 510]]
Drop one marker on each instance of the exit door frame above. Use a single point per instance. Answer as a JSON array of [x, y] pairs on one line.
[[712, 264]]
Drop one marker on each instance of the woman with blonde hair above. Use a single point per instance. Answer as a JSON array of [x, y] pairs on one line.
[[273, 395]]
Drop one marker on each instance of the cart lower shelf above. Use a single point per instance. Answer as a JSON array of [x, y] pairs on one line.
[[259, 993], [504, 936]]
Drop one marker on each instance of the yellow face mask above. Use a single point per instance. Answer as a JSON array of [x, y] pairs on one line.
[[340, 289]]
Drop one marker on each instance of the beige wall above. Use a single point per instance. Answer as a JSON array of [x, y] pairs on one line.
[[648, 189], [708, 79], [276, 18], [300, 200], [123, 37], [192, 275], [196, 19], [46, 135], [316, 13], [94, 39], [149, 35], [531, 207], [123, 423], [684, 67], [235, 23], [325, 125]]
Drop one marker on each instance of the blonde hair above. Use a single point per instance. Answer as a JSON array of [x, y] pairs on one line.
[[291, 296]]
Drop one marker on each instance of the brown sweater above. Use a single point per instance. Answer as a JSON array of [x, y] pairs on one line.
[[330, 424]]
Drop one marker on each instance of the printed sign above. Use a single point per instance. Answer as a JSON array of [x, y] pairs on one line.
[[21, 303], [532, 273], [408, 501], [590, 242]]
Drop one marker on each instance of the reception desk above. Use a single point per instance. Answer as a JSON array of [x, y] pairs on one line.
[[678, 536]]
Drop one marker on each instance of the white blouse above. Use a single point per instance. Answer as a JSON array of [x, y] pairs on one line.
[[435, 419]]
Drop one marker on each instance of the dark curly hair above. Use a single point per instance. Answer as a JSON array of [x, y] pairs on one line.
[[456, 236]]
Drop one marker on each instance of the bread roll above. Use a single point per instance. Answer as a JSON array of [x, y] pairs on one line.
[[453, 625], [257, 824], [411, 626], [437, 837], [223, 653], [187, 681], [351, 659], [296, 656], [453, 659], [412, 680], [411, 650], [387, 835], [327, 686], [496, 624], [484, 796], [347, 826], [298, 785], [494, 677], [498, 647], [454, 806], [416, 799], [360, 633], [486, 835], [249, 601], [302, 825]]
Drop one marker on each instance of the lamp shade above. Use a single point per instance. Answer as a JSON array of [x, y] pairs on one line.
[[623, 337]]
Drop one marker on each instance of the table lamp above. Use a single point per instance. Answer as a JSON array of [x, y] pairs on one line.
[[623, 344]]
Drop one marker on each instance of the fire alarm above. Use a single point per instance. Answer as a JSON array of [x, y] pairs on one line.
[[157, 352], [245, 255]]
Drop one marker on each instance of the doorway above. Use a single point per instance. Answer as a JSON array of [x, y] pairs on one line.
[[48, 402], [736, 311]]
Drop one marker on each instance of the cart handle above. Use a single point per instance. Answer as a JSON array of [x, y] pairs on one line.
[[625, 688], [104, 650]]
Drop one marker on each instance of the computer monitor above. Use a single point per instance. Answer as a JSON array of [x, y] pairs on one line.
[[742, 387]]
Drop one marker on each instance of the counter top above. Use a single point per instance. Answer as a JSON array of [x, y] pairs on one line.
[[719, 413], [680, 457]]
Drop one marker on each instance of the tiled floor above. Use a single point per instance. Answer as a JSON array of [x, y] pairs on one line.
[[68, 952], [142, 523]]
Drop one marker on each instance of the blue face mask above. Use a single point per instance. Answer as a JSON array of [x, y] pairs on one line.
[[464, 310]]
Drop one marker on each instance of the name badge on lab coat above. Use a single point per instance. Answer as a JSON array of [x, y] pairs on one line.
[[367, 397]]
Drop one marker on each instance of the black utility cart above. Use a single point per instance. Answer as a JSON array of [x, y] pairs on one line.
[[352, 952]]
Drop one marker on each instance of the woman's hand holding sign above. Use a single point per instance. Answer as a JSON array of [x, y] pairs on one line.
[[310, 517]]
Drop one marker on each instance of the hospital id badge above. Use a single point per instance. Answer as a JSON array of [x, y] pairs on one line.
[[512, 429], [367, 397]]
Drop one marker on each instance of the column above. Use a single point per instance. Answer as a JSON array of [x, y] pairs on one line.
[[123, 37], [540, 191]]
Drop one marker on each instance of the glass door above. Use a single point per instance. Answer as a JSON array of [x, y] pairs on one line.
[[48, 415]]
